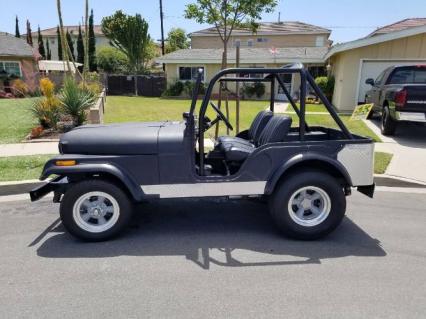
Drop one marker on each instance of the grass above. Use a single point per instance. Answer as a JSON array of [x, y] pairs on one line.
[[381, 162], [133, 109], [17, 168], [16, 119]]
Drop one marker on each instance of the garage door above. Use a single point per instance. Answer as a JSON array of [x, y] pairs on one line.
[[372, 69]]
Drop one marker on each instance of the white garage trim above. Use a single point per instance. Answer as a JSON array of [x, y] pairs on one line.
[[361, 63]]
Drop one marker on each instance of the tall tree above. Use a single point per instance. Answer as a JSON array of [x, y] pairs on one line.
[[59, 40], [40, 42], [80, 46], [29, 35], [176, 39], [129, 34], [17, 33], [48, 52], [92, 44], [226, 15], [70, 43]]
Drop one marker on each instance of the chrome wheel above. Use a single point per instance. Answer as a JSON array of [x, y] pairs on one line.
[[309, 206], [96, 212]]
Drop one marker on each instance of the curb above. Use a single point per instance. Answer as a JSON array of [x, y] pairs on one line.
[[21, 187]]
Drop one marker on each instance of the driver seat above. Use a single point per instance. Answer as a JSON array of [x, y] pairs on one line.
[[262, 118], [238, 150]]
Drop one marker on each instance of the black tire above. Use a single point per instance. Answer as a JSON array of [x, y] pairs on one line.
[[279, 204], [78, 190], [388, 126]]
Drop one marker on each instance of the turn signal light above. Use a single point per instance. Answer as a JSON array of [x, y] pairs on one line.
[[66, 163]]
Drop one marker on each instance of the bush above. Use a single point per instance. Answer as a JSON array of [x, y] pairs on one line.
[[75, 101], [93, 87], [46, 109], [257, 88], [19, 88], [189, 86], [174, 89], [112, 60], [326, 84]]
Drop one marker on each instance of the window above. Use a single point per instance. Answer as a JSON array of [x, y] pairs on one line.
[[319, 42], [11, 68], [250, 43], [237, 43], [379, 79], [190, 73], [409, 75], [252, 75], [262, 40]]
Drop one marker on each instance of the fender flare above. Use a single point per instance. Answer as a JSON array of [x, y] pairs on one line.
[[301, 158], [95, 168]]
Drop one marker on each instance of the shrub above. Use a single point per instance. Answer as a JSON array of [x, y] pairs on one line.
[[111, 60], [93, 87], [174, 89], [19, 88], [259, 89], [326, 84], [75, 101], [47, 87], [46, 111]]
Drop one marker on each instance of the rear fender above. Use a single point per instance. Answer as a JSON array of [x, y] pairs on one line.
[[307, 160], [96, 168]]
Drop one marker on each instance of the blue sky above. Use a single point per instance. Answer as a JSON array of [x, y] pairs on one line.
[[348, 19]]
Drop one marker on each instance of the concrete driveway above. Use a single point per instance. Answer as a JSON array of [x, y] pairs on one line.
[[408, 147], [217, 259]]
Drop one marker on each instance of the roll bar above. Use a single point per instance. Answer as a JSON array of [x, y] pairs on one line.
[[272, 75]]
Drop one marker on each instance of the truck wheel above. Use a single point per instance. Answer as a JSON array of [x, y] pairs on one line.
[[388, 123], [95, 210], [308, 205]]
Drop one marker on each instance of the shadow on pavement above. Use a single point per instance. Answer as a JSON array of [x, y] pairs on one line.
[[213, 231], [407, 134]]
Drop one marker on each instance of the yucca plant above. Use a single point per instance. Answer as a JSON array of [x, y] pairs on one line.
[[75, 101]]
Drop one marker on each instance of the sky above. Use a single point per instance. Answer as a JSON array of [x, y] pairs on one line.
[[348, 19]]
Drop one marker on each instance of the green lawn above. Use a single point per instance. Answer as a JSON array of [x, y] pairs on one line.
[[381, 162], [16, 119], [129, 109], [19, 168]]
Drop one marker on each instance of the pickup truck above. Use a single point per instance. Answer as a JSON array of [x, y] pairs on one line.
[[399, 93]]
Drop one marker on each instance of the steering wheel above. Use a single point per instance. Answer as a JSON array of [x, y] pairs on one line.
[[221, 116]]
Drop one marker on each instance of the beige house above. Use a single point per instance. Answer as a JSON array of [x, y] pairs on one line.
[[403, 42], [52, 36], [273, 45]]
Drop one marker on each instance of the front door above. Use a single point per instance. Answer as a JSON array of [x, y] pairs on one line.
[[279, 94]]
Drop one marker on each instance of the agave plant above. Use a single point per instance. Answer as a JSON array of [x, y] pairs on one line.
[[75, 101]]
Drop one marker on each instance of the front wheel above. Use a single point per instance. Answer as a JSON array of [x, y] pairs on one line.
[[95, 210], [308, 205]]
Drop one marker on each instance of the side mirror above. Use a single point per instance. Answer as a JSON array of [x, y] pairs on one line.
[[369, 81]]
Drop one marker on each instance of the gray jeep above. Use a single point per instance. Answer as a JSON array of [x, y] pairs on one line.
[[303, 171]]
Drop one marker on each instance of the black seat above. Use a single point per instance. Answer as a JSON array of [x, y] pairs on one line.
[[275, 131], [262, 118]]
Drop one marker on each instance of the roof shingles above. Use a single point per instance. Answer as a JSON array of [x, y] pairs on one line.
[[12, 46]]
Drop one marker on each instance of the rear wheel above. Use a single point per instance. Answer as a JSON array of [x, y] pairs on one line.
[[388, 123], [95, 210], [308, 205]]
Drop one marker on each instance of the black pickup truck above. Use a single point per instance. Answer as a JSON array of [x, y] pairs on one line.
[[399, 93]]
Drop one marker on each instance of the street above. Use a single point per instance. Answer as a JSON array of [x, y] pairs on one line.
[[217, 258]]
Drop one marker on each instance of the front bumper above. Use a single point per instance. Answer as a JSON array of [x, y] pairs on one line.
[[56, 185]]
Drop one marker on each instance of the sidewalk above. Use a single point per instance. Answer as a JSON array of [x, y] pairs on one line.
[[25, 149], [408, 148]]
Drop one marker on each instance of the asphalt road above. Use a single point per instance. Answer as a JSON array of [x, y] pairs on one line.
[[217, 259]]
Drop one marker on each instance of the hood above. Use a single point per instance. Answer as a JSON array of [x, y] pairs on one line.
[[112, 139]]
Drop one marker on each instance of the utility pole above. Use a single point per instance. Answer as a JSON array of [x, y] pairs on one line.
[[162, 31]]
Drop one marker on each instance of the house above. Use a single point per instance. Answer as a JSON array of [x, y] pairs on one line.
[[52, 36], [273, 45], [403, 42], [17, 60]]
